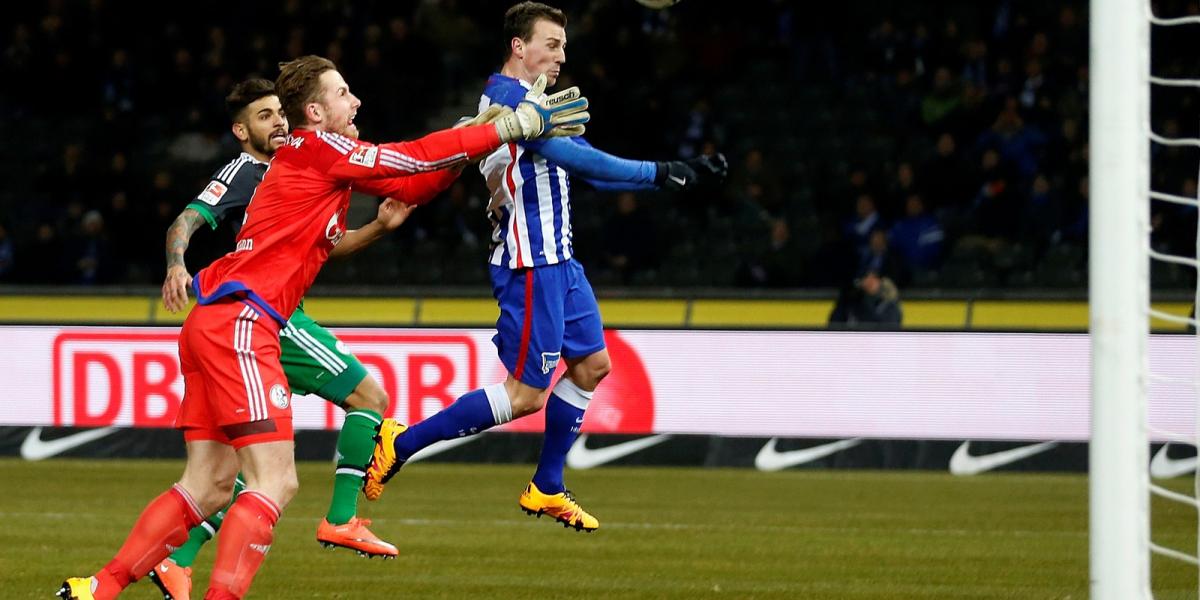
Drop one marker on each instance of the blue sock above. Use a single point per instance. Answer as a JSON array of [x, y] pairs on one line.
[[473, 412], [564, 417]]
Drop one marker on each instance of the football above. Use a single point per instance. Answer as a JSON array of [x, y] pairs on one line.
[[658, 4]]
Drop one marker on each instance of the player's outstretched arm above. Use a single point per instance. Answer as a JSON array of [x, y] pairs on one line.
[[600, 169], [179, 235], [391, 214]]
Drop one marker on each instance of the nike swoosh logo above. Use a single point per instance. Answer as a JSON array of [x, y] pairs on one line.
[[681, 181], [963, 463], [1165, 467], [35, 448], [770, 459], [441, 446], [582, 457]]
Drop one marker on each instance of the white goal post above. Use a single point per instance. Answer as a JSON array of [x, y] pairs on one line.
[[1118, 273]]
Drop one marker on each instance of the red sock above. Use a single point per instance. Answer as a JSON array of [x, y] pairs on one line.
[[242, 546], [162, 527]]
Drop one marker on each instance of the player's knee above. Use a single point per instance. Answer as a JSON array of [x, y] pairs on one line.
[[224, 485], [591, 372], [375, 399], [213, 498], [527, 401], [291, 486], [601, 369], [369, 396], [285, 486]]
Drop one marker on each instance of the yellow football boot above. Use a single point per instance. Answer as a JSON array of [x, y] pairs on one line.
[[77, 588], [562, 506], [383, 463]]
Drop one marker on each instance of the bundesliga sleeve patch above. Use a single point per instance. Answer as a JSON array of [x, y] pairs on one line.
[[213, 193], [364, 156]]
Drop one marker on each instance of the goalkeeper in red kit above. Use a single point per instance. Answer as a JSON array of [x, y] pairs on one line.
[[236, 412]]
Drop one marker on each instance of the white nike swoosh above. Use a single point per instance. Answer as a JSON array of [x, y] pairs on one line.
[[440, 447], [582, 457], [963, 463], [682, 181], [770, 459], [1165, 467], [35, 448]]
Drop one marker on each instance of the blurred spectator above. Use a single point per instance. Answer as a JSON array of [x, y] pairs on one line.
[[834, 261], [871, 302], [996, 211], [878, 258], [943, 99], [629, 239], [1042, 221], [865, 220], [779, 265], [1019, 144], [89, 253], [945, 178], [196, 145], [7, 254], [42, 257], [903, 186], [918, 237]]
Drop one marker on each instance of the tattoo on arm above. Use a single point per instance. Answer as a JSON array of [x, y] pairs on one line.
[[180, 233]]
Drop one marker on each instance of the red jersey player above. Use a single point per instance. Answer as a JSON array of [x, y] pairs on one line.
[[236, 412]]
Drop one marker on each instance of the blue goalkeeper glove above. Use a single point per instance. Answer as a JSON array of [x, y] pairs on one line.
[[682, 175]]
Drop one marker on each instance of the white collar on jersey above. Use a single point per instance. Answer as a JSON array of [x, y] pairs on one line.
[[251, 158]]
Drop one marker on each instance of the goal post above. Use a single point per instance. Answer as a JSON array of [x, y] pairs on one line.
[[1118, 293]]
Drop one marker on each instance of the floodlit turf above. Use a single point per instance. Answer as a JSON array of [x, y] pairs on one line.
[[665, 533]]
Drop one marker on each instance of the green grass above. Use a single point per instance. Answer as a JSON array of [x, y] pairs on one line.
[[665, 533]]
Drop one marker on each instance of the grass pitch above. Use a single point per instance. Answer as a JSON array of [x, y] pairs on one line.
[[665, 533]]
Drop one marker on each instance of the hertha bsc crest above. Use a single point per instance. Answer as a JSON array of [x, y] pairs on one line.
[[550, 361]]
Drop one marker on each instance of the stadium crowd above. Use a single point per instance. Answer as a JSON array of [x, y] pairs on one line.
[[942, 145]]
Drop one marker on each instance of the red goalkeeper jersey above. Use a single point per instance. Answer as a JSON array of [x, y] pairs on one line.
[[298, 213]]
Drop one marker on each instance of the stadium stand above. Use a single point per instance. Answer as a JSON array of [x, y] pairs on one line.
[[956, 130]]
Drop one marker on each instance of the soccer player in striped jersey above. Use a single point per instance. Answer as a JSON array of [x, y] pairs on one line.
[[548, 311], [236, 410], [314, 360]]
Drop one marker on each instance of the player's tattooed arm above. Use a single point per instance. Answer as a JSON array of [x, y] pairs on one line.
[[174, 290], [180, 234]]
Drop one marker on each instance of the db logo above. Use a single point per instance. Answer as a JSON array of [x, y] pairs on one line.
[[421, 373], [623, 403], [117, 377]]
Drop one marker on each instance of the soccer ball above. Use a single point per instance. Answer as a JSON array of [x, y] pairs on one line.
[[658, 4]]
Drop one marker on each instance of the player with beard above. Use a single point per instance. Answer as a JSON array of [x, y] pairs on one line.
[[236, 409]]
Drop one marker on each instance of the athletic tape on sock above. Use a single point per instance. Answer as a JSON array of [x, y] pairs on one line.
[[572, 394], [501, 405]]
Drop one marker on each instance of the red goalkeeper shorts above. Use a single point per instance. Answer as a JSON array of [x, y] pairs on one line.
[[235, 391]]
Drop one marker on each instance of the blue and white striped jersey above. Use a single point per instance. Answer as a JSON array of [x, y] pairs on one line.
[[530, 208], [531, 191]]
